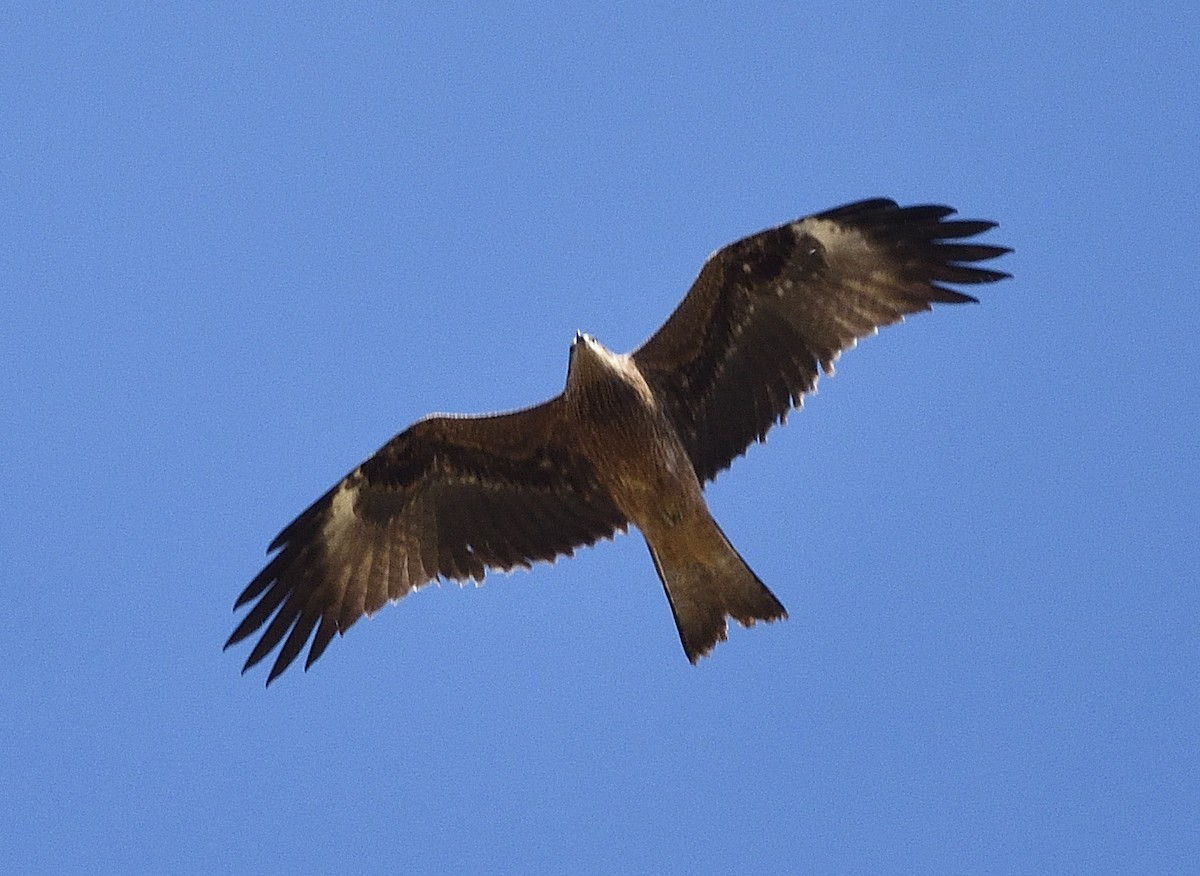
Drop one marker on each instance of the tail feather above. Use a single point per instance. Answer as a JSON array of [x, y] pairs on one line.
[[707, 581]]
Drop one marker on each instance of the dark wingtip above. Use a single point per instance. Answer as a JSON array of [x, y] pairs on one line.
[[857, 208], [324, 635], [943, 295]]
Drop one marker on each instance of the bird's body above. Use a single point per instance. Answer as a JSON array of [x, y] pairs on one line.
[[633, 438], [621, 427], [618, 425]]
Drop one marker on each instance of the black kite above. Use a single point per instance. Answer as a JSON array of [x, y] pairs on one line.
[[633, 438]]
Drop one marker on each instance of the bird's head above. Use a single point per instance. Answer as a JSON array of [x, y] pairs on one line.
[[589, 359], [585, 342]]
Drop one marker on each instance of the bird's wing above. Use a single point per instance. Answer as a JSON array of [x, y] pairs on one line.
[[766, 312], [448, 497]]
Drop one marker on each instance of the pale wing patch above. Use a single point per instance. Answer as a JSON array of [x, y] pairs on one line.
[[832, 235], [858, 261], [355, 556], [342, 525]]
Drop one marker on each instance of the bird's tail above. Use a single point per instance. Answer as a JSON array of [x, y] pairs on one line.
[[706, 582]]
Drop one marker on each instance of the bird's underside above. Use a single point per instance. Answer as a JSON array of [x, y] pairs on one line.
[[632, 438]]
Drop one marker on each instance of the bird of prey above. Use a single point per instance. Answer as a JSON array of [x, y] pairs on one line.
[[633, 438]]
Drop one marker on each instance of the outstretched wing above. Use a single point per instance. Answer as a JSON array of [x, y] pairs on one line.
[[448, 497], [766, 312]]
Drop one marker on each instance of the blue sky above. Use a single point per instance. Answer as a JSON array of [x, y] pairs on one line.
[[242, 247]]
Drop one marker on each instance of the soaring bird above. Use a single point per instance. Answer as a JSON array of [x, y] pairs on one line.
[[633, 438]]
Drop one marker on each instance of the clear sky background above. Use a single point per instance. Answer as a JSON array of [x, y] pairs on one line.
[[241, 247]]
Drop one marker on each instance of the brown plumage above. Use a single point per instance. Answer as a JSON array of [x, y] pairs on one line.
[[632, 439]]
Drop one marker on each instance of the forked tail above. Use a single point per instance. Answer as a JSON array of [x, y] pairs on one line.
[[706, 582]]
